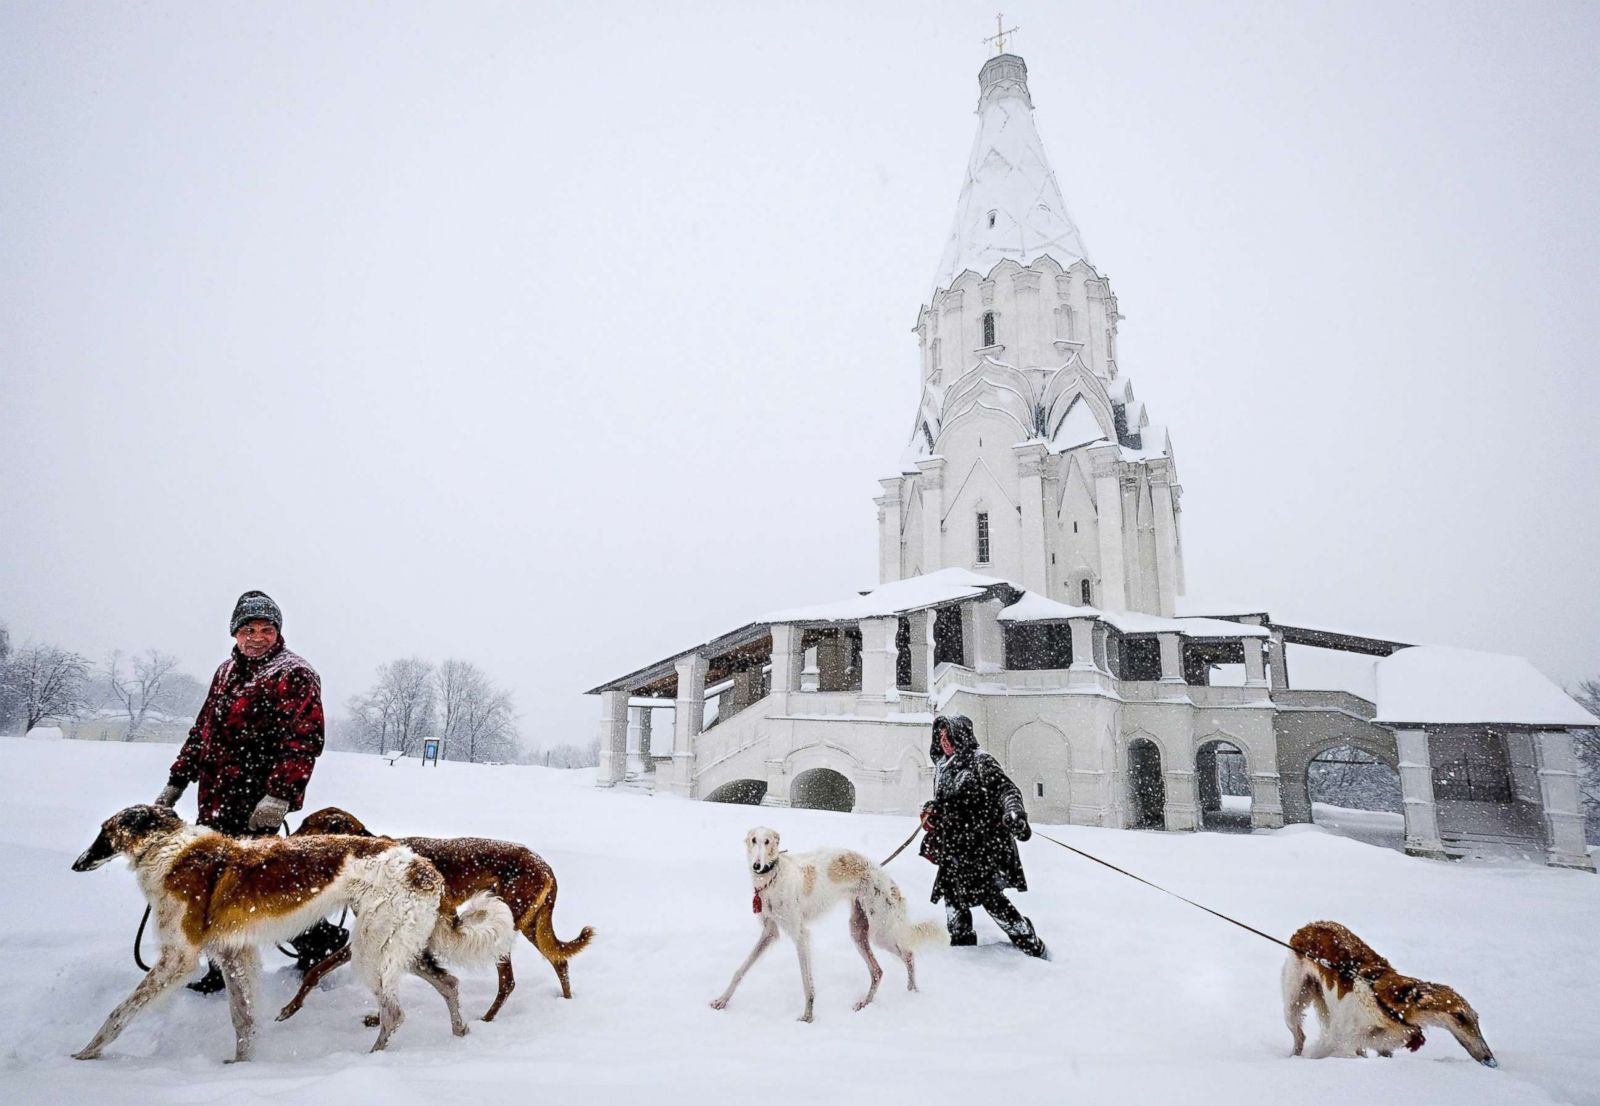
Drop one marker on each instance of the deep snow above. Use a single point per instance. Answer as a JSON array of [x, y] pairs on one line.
[[1147, 1000]]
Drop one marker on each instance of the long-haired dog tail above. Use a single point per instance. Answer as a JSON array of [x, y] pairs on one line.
[[539, 925], [477, 934]]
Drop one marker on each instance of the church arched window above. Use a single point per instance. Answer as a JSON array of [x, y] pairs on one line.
[[1086, 592], [988, 328], [992, 216], [983, 537], [1066, 326]]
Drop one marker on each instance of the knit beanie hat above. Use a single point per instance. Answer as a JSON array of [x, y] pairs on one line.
[[253, 605]]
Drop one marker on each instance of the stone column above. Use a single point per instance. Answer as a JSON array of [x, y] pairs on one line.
[[921, 650], [811, 669], [878, 659], [1030, 494], [1559, 796], [635, 727], [690, 716], [1166, 529], [889, 567], [1108, 508], [646, 715], [613, 738], [1255, 666], [1182, 811], [1082, 644], [931, 483], [1266, 784], [1171, 657], [786, 660], [988, 651], [1416, 790], [1029, 330], [1278, 661]]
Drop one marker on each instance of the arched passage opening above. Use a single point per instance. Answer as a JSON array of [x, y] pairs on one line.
[[1147, 791], [1222, 778], [1356, 794], [822, 789], [740, 792]]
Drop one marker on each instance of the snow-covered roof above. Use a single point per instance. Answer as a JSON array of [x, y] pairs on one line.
[[1440, 685], [1037, 608], [898, 597], [1010, 179]]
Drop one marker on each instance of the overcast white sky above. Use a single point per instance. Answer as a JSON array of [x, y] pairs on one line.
[[559, 338]]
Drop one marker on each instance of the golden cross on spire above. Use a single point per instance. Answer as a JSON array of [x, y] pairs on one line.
[[1001, 31]]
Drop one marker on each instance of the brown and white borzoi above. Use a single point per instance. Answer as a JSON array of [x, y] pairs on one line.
[[1363, 1004], [791, 892], [515, 874], [225, 896]]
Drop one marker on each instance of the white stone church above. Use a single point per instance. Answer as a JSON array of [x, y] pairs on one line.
[[1031, 578]]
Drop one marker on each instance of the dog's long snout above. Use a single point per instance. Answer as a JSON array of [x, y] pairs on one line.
[[94, 856]]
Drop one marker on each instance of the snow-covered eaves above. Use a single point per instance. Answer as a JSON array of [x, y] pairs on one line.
[[1438, 685], [916, 593], [1037, 608]]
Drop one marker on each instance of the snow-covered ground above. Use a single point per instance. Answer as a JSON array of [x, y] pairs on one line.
[[1147, 1000]]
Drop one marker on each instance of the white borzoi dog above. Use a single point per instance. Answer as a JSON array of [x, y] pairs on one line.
[[1363, 1004], [225, 896], [791, 892]]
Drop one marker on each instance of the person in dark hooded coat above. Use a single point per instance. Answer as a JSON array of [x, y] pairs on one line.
[[972, 827]]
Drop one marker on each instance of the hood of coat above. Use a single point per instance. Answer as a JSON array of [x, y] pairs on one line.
[[962, 736]]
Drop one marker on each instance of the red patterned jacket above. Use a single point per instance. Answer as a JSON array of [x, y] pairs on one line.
[[259, 733]]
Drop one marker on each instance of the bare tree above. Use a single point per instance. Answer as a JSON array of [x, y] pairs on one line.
[[140, 685], [398, 710], [477, 719], [46, 682], [568, 755], [8, 699]]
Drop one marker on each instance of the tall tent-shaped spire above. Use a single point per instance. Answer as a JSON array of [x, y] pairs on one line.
[[1011, 205]]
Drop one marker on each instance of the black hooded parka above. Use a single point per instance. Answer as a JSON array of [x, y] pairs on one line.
[[968, 838]]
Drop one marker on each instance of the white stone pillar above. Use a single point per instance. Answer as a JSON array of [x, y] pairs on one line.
[[1171, 657], [988, 651], [689, 720], [1278, 661], [613, 738], [646, 715], [1416, 790], [1082, 644], [889, 567], [1108, 510], [1255, 665], [1166, 530], [1029, 330], [1183, 812], [1030, 494], [786, 660], [811, 669], [921, 647], [1559, 795], [635, 735], [930, 482], [878, 655]]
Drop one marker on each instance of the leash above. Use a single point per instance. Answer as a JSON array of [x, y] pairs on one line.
[[138, 939], [1163, 890], [903, 847]]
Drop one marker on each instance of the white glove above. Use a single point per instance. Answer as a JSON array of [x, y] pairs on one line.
[[269, 814], [169, 796]]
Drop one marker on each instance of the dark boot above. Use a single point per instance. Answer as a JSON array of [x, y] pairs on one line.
[[317, 944], [958, 919], [1024, 937], [210, 983]]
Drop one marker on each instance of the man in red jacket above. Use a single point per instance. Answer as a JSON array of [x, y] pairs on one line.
[[253, 747]]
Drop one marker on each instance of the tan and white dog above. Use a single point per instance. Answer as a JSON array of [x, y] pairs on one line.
[[225, 896], [791, 892], [1363, 1004]]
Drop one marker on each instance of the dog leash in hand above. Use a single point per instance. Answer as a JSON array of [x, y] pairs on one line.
[[903, 847], [1163, 890]]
